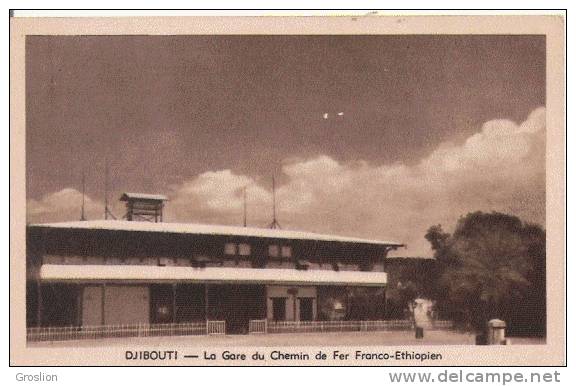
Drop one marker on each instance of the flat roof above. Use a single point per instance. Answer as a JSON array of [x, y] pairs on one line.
[[409, 258], [143, 273], [143, 196], [205, 229]]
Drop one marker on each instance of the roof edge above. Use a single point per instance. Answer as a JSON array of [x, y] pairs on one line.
[[211, 229]]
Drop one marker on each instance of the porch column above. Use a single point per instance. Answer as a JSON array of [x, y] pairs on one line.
[[79, 304], [174, 303], [103, 304], [265, 316], [39, 308], [385, 314], [347, 292], [206, 308]]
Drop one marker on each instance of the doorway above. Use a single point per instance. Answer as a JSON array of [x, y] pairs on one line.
[[279, 309], [306, 309], [237, 305]]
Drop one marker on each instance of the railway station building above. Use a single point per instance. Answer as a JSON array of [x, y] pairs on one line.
[[111, 272]]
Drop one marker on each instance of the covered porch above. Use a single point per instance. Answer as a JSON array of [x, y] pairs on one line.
[[100, 295]]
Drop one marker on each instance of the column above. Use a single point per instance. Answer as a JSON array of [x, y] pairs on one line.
[[80, 294], [174, 303], [103, 305], [206, 308], [39, 308]]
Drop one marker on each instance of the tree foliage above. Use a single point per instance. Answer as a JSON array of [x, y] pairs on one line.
[[492, 266]]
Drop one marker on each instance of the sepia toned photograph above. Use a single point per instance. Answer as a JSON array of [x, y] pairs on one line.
[[381, 190]]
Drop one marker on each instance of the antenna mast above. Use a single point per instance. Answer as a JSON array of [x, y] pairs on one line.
[[82, 216], [106, 210], [106, 189], [275, 224]]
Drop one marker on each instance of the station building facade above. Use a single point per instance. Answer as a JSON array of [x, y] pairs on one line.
[[110, 272]]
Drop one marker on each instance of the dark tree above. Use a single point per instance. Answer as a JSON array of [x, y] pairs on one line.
[[409, 279], [492, 266]]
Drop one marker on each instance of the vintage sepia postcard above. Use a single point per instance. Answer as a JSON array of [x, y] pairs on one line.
[[357, 190]]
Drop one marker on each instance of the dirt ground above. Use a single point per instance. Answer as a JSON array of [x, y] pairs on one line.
[[379, 338]]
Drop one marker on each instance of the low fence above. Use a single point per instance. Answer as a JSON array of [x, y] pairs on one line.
[[442, 325], [338, 325], [42, 334], [218, 327], [264, 326], [258, 326]]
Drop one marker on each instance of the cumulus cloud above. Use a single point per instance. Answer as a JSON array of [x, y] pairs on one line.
[[501, 167], [216, 196], [64, 205]]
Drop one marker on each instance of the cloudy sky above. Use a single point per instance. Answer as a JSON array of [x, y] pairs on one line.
[[432, 127]]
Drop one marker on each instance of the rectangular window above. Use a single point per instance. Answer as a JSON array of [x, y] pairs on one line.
[[165, 261], [286, 251], [230, 249], [244, 249], [273, 250]]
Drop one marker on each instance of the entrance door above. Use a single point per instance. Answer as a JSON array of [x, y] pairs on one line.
[[279, 309], [161, 303], [306, 309], [190, 303], [237, 305], [60, 305]]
